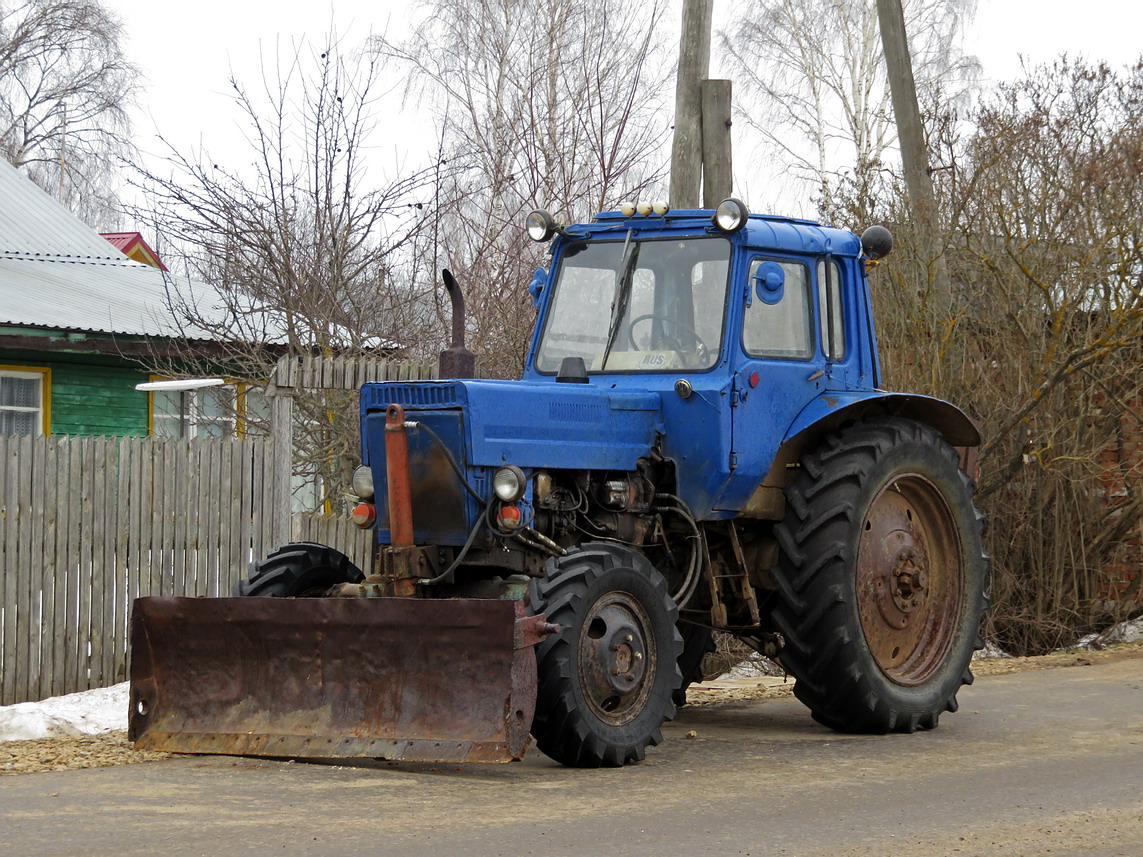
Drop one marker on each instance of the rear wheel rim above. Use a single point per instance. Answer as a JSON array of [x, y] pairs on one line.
[[910, 579]]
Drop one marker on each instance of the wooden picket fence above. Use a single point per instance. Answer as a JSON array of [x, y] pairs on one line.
[[89, 524]]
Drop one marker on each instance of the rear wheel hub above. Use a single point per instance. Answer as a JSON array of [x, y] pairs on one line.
[[909, 579]]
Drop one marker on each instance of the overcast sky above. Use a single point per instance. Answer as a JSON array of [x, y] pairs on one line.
[[186, 52]]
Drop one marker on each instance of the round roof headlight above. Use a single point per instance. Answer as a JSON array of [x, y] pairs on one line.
[[731, 214], [508, 483], [362, 482], [540, 225]]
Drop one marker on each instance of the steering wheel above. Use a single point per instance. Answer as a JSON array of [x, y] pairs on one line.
[[700, 346]]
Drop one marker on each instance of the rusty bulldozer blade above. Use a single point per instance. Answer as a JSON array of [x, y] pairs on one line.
[[449, 680]]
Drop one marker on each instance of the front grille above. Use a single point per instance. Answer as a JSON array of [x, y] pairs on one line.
[[411, 394]]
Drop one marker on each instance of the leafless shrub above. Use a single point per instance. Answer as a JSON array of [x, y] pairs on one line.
[[1040, 338]]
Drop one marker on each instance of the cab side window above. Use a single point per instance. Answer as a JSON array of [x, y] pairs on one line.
[[830, 310], [782, 329]]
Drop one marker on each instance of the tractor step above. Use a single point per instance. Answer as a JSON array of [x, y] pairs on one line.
[[448, 680]]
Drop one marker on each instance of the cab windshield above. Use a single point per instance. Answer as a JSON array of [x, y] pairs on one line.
[[638, 306]]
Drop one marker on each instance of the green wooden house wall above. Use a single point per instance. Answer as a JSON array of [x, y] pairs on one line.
[[88, 393]]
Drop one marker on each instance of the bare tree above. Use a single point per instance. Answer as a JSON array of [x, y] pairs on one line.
[[538, 105], [1042, 339], [66, 91], [819, 96], [302, 250]]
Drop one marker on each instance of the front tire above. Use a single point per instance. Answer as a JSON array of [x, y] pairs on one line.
[[298, 570], [880, 578], [605, 681]]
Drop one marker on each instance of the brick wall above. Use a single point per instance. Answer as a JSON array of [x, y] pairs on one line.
[[1121, 484]]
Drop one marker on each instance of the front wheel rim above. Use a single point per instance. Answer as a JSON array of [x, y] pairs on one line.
[[617, 658]]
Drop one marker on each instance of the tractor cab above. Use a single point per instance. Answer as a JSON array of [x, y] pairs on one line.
[[741, 322], [682, 292]]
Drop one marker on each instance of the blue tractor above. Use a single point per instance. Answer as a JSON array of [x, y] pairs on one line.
[[699, 443]]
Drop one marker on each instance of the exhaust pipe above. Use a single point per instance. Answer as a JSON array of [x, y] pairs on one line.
[[456, 361]]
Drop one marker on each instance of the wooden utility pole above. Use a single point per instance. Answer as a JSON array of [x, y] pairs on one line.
[[910, 131], [694, 65], [717, 168], [911, 138]]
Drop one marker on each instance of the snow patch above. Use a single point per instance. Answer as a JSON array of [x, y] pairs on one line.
[[90, 712], [990, 650], [1124, 632], [753, 667]]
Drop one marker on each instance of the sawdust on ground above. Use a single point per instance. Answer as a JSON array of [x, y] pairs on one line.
[[767, 687], [96, 751], [62, 754]]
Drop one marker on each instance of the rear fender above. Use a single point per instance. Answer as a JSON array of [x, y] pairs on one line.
[[831, 410]]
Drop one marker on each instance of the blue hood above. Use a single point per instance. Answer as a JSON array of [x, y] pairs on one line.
[[535, 423]]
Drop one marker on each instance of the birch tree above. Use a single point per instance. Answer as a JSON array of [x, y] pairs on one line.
[[815, 77], [537, 105], [66, 91]]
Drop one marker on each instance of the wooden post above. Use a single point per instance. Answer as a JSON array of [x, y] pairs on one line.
[[717, 168], [694, 62], [280, 392]]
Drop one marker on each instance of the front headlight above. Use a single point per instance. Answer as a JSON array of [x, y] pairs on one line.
[[508, 483], [362, 482], [539, 225], [731, 215]]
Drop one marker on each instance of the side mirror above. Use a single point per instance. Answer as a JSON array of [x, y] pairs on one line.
[[536, 287], [769, 282], [876, 242]]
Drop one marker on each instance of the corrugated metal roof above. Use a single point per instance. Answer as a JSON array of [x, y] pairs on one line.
[[112, 297], [56, 271], [120, 240]]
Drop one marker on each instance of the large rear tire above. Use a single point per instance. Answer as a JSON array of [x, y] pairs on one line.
[[698, 641], [605, 681], [298, 570], [880, 578]]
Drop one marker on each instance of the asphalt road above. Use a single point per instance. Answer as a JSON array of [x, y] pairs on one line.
[[1046, 763]]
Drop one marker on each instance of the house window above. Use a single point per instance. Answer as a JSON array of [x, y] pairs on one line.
[[23, 407], [193, 413], [209, 412]]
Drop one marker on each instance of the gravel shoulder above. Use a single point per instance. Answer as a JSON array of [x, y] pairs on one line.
[[96, 751]]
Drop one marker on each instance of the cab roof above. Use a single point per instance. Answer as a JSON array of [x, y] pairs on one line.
[[762, 231]]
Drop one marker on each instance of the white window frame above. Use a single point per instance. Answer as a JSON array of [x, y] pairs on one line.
[[43, 376], [191, 417]]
